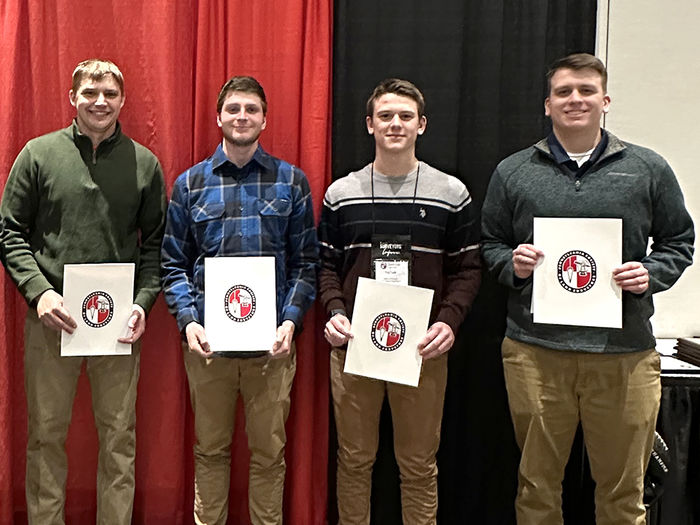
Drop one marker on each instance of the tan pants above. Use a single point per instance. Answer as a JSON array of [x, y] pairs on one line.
[[614, 396], [265, 384], [416, 415], [51, 382]]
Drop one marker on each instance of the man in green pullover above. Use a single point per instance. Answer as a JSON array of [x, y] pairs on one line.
[[83, 194]]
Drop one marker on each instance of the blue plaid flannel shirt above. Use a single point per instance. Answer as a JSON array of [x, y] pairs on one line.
[[218, 210]]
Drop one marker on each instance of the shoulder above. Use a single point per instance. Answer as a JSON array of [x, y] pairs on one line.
[[143, 154], [286, 172], [60, 138], [642, 155], [440, 186], [354, 185], [525, 159]]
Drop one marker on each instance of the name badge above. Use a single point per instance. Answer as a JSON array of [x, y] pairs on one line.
[[391, 259]]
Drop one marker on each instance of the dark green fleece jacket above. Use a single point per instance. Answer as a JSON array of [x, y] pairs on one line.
[[626, 181], [67, 203]]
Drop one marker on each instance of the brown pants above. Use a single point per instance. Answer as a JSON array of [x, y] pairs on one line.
[[614, 396], [416, 414], [50, 383], [265, 384]]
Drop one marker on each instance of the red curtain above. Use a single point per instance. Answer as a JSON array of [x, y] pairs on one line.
[[174, 56]]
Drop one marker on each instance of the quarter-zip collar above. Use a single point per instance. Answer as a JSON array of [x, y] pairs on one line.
[[84, 143]]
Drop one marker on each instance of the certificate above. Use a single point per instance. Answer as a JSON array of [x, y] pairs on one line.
[[99, 297], [240, 303], [388, 321], [573, 282]]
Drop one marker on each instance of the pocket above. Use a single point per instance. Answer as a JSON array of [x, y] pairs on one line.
[[274, 216], [208, 226]]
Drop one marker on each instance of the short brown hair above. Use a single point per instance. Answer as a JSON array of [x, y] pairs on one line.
[[245, 85], [96, 69], [400, 87], [578, 61]]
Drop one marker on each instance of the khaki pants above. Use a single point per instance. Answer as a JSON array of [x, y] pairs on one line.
[[265, 384], [50, 383], [614, 396], [416, 415]]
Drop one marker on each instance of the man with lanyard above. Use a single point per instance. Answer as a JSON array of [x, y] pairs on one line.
[[241, 201], [398, 220], [87, 170], [556, 375]]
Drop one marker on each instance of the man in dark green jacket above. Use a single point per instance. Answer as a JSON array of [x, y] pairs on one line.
[[558, 375], [83, 194]]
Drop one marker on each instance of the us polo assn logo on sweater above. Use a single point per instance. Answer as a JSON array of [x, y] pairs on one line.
[[576, 271], [98, 309], [239, 303], [388, 331]]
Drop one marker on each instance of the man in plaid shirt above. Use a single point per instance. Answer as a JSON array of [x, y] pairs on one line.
[[240, 201]]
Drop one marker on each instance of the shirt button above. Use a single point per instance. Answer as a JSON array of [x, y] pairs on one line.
[[241, 208]]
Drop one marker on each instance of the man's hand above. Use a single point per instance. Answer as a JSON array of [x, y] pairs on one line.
[[197, 339], [632, 277], [53, 314], [438, 340], [525, 258], [283, 339], [136, 325], [337, 331]]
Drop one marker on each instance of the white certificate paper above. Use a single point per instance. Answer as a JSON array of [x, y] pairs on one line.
[[100, 298], [573, 283], [388, 321], [240, 303]]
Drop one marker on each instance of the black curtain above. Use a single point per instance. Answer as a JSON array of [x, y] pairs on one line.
[[481, 65]]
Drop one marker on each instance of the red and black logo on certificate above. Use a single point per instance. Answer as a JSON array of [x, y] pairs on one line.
[[388, 331], [576, 271], [240, 303], [98, 309]]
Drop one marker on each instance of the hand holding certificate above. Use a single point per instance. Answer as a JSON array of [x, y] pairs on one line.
[[99, 297], [388, 322], [573, 283], [240, 303]]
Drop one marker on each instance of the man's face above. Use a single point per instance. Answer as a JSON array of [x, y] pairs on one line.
[[395, 123], [241, 119], [576, 100], [98, 103]]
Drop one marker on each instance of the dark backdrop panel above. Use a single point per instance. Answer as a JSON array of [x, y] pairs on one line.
[[481, 65]]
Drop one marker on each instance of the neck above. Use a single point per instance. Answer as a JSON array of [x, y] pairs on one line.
[[239, 155], [580, 141], [395, 165], [97, 138]]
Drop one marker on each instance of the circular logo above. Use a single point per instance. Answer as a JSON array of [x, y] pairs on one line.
[[98, 309], [576, 271], [388, 331], [239, 303]]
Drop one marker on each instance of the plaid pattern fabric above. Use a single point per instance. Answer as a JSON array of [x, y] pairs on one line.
[[218, 210]]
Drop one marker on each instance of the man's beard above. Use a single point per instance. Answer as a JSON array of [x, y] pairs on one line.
[[243, 142]]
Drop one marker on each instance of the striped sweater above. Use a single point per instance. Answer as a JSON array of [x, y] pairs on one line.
[[444, 233]]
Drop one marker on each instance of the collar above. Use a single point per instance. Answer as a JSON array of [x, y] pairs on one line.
[[261, 157], [77, 135], [559, 153]]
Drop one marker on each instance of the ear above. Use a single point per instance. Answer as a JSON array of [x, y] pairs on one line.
[[422, 125], [546, 107], [218, 119], [71, 97], [264, 123], [370, 127], [606, 103]]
